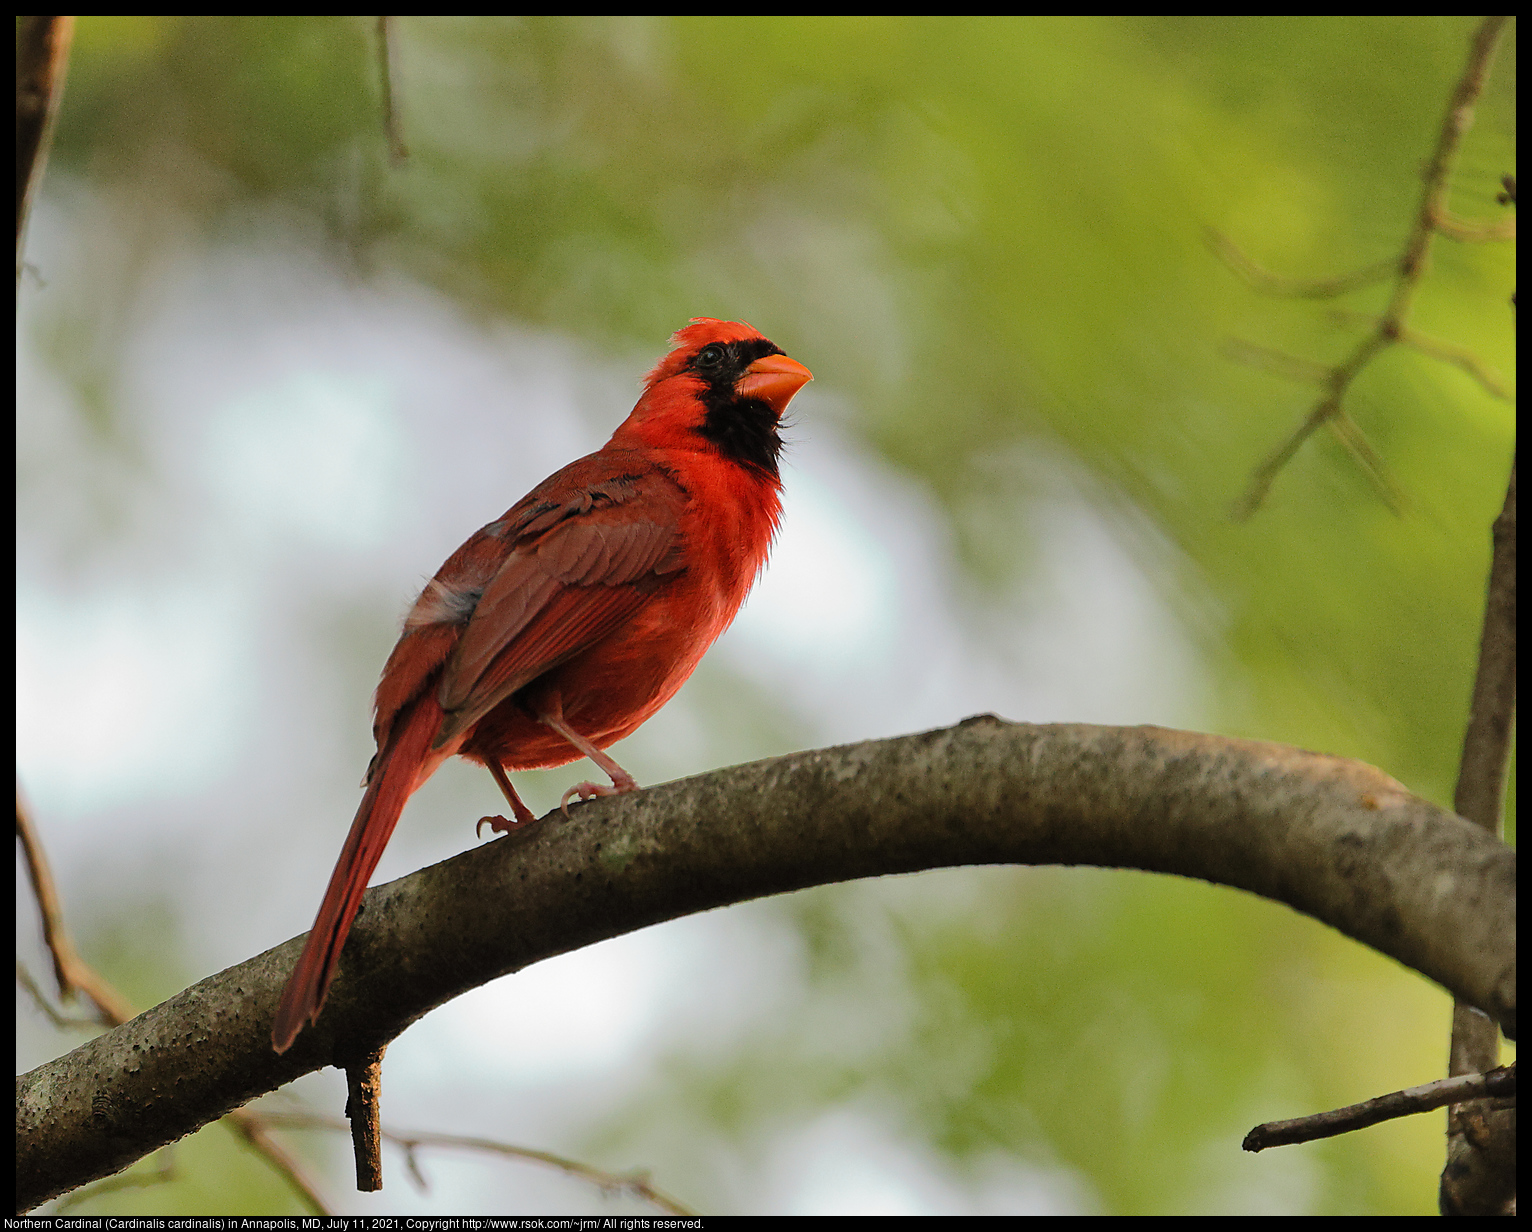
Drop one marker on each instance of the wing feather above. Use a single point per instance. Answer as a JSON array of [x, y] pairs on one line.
[[576, 571]]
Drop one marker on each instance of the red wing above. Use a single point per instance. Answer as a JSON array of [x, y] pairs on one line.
[[583, 570]]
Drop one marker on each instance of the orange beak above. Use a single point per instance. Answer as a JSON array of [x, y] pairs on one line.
[[774, 379]]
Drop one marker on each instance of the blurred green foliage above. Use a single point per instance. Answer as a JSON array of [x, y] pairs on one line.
[[988, 233]]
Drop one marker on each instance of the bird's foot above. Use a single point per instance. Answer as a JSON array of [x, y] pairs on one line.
[[590, 791]]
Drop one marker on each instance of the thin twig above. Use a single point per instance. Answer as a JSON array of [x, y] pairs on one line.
[[1461, 357], [1469, 232], [389, 72], [636, 1183], [62, 1021], [1431, 219], [254, 1127], [1263, 280], [74, 974], [134, 1179], [1278, 363], [1438, 175], [1498, 1084], [1327, 411], [1360, 448], [1448, 352]]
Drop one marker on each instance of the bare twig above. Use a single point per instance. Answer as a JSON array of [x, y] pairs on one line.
[[1438, 175], [1460, 357], [1432, 218], [1455, 228], [1327, 411], [1368, 458], [42, 55], [389, 73], [254, 1127], [1498, 1083], [140, 1178], [1447, 352], [1263, 280], [70, 970], [636, 1183], [1278, 363], [40, 999], [112, 1009], [364, 1084]]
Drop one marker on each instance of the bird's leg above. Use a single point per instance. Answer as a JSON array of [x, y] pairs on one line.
[[499, 824], [552, 715]]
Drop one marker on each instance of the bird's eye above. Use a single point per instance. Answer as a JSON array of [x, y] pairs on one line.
[[710, 356]]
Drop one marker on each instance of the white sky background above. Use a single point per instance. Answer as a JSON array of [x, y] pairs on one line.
[[203, 607]]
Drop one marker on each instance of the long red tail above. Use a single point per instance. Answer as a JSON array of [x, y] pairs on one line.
[[398, 772]]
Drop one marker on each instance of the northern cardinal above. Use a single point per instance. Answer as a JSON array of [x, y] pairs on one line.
[[562, 625]]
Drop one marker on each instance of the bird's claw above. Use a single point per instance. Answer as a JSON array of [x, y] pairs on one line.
[[502, 825]]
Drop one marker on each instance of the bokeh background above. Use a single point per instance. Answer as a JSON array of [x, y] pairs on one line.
[[267, 381]]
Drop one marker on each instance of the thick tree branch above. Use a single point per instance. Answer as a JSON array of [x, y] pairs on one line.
[[1333, 838]]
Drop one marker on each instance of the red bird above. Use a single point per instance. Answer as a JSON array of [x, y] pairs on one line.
[[560, 627]]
